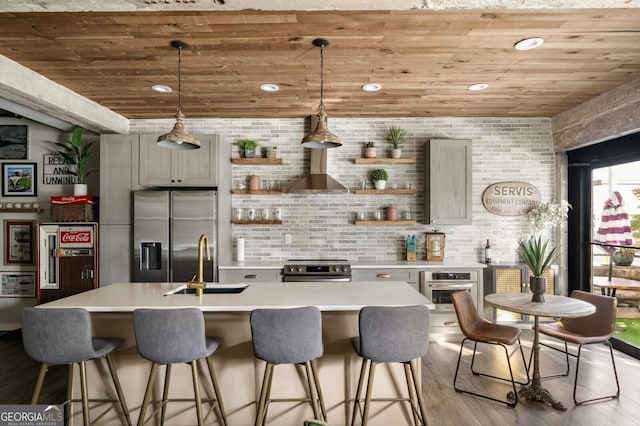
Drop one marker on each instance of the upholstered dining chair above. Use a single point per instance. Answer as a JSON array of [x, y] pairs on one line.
[[595, 328], [478, 330]]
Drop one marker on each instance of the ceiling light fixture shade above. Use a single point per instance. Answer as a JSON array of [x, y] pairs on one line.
[[178, 138], [321, 137]]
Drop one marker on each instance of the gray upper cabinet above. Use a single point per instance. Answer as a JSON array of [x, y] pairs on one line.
[[170, 167], [447, 182], [116, 178]]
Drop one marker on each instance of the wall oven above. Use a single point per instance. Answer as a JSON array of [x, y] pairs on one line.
[[316, 270], [439, 285]]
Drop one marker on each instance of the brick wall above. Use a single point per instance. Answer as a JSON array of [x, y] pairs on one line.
[[321, 225]]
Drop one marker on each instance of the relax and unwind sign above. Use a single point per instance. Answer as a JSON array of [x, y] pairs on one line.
[[56, 171], [510, 198]]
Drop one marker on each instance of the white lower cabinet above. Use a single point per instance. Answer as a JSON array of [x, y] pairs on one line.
[[385, 274], [249, 275]]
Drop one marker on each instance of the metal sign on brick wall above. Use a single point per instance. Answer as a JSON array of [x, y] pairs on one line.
[[510, 198]]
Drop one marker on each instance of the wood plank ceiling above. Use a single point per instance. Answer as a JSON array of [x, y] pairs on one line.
[[424, 60]]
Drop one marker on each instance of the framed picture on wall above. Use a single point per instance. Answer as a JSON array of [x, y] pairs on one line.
[[17, 284], [19, 179], [19, 238], [14, 142]]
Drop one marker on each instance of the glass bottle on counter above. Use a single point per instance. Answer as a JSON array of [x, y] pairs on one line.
[[487, 253]]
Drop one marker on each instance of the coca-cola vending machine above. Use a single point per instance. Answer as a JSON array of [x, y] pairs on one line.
[[67, 259]]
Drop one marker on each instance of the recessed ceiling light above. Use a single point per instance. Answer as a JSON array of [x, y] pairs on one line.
[[269, 87], [372, 87], [529, 43], [477, 86], [161, 88]]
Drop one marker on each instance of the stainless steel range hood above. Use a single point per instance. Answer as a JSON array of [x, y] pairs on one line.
[[317, 181]]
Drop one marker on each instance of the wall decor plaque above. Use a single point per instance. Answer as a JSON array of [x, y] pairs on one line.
[[510, 198]]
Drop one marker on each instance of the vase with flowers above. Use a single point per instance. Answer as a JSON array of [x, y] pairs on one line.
[[537, 254]]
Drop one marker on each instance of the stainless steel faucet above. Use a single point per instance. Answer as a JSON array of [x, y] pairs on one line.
[[198, 282]]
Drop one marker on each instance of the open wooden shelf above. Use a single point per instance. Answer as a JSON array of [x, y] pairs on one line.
[[257, 222], [384, 222], [384, 160], [261, 192], [258, 161], [385, 191]]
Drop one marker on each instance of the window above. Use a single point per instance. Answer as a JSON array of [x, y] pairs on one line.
[[595, 173]]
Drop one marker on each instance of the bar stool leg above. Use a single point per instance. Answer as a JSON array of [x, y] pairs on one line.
[[367, 400], [260, 415], [216, 390], [323, 409], [268, 400], [83, 391], [196, 390], [147, 394], [116, 383], [312, 394], [418, 388], [39, 383], [165, 392], [69, 394], [356, 401], [412, 397]]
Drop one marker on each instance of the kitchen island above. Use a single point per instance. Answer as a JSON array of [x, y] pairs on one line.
[[239, 373]]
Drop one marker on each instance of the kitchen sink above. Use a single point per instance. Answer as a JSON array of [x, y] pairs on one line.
[[211, 289]]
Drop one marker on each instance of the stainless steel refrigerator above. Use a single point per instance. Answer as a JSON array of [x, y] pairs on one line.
[[166, 229]]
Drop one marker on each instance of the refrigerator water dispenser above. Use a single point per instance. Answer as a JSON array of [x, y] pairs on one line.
[[150, 256]]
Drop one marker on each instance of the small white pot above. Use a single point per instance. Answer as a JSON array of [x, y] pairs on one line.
[[395, 153], [380, 184], [79, 189]]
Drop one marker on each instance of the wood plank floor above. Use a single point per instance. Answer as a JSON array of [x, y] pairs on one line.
[[444, 405]]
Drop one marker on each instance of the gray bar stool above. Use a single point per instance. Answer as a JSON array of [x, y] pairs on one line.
[[392, 334], [288, 336], [63, 336], [175, 336]]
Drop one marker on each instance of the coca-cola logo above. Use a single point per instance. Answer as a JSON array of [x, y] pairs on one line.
[[76, 237]]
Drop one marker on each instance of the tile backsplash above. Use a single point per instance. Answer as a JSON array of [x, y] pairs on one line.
[[322, 225]]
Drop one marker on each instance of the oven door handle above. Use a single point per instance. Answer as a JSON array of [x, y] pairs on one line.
[[450, 286], [293, 279]]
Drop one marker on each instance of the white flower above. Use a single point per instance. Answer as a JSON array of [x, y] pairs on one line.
[[551, 213]]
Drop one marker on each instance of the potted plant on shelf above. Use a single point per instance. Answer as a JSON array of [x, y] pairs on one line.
[[249, 147], [537, 254], [272, 152], [379, 178], [396, 137], [76, 155], [369, 150]]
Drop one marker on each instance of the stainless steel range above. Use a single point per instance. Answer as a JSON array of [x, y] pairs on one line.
[[317, 270]]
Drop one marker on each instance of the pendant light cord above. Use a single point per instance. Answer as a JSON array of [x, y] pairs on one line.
[[180, 79], [321, 77]]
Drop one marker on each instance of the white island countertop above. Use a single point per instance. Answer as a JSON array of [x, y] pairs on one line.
[[328, 296]]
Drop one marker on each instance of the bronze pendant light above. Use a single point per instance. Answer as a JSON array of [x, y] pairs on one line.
[[178, 138], [321, 137]]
